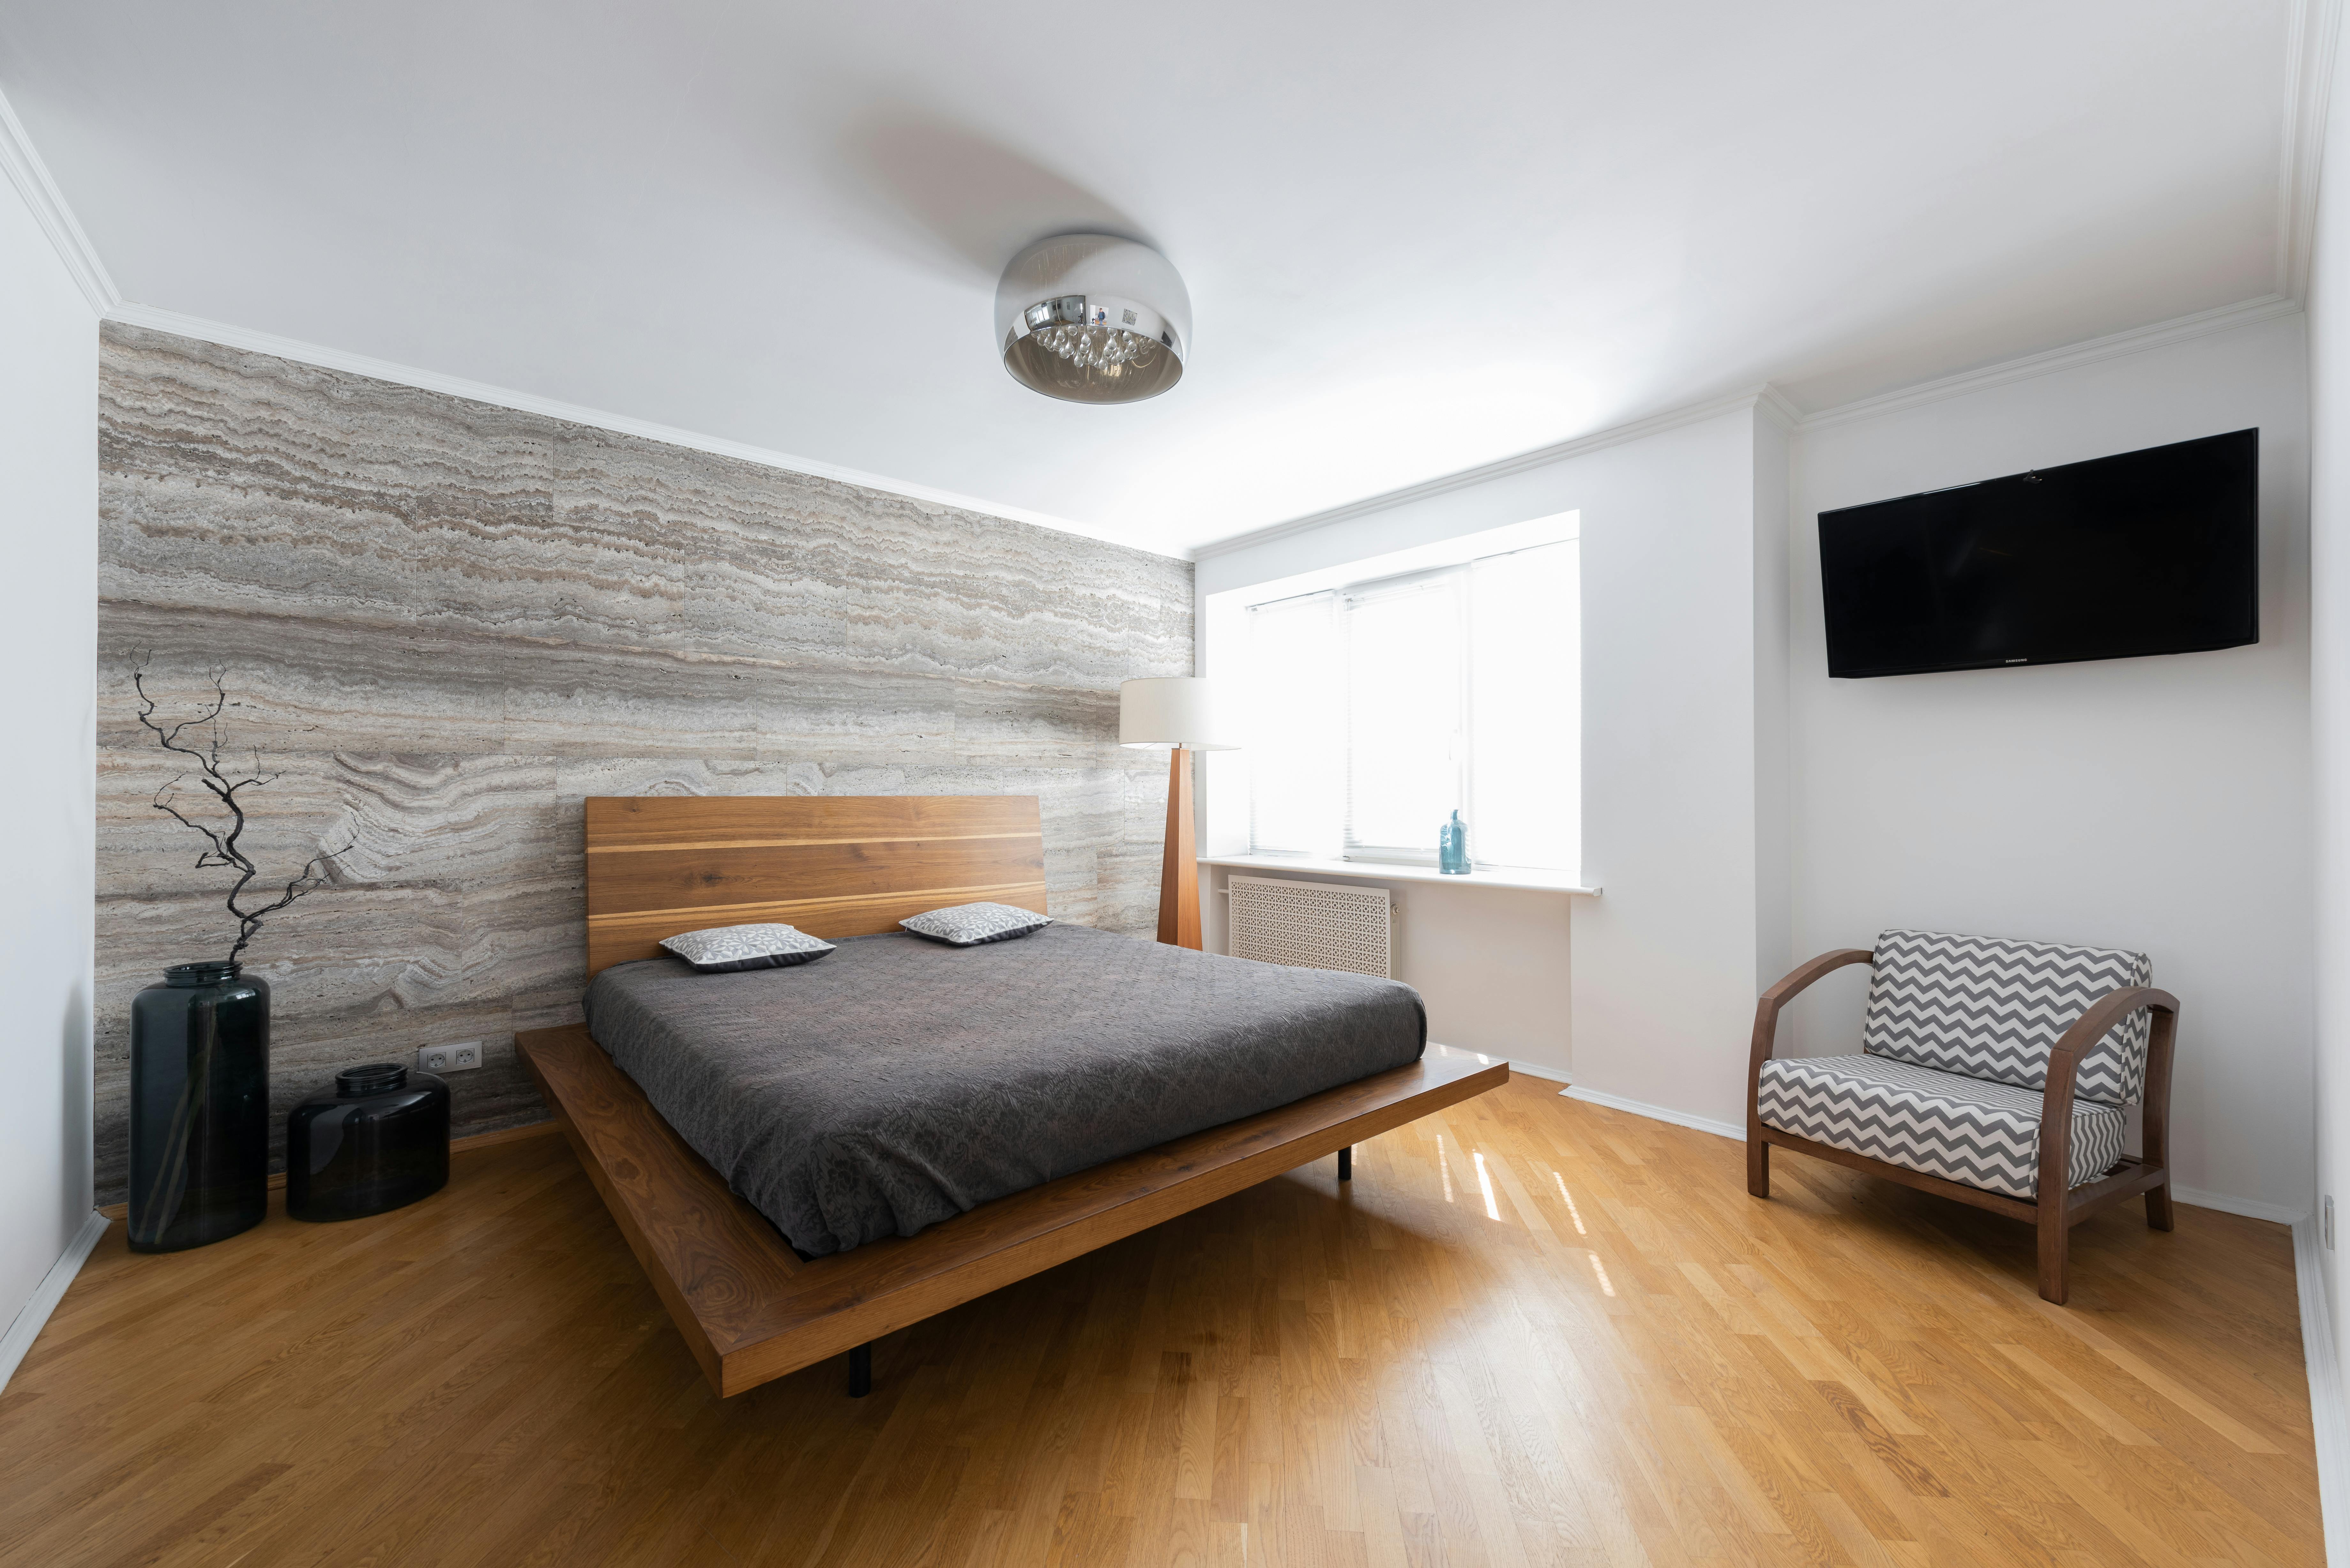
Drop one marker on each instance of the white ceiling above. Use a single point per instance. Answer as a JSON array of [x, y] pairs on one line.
[[1417, 238]]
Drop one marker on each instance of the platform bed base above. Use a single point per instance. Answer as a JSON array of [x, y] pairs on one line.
[[752, 1310]]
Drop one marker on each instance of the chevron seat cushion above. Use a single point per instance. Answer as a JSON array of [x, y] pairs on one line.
[[1993, 1009], [1962, 1129]]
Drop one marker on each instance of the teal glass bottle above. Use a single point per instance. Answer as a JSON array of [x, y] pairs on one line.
[[1452, 847]]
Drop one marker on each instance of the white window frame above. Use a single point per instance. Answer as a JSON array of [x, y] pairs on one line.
[[1463, 571]]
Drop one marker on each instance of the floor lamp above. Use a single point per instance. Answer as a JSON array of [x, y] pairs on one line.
[[1180, 711]]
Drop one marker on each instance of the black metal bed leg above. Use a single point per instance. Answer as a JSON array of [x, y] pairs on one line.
[[1346, 1163], [861, 1371]]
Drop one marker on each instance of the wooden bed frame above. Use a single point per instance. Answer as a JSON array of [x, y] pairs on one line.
[[750, 1308]]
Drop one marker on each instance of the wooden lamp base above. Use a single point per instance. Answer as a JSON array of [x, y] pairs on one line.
[[1179, 875]]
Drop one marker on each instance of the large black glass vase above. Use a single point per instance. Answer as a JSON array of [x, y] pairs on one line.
[[199, 1108]]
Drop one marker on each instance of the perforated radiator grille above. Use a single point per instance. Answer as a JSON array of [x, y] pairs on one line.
[[1310, 925]]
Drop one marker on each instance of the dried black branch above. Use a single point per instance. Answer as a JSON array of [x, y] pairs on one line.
[[224, 787]]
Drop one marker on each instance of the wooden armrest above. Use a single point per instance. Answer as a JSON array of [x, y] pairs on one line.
[[2064, 1063], [1802, 975], [1766, 1009]]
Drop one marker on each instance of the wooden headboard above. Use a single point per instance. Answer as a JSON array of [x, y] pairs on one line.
[[834, 866]]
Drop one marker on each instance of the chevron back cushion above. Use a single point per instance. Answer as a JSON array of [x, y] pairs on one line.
[[1994, 1009], [1962, 1129]]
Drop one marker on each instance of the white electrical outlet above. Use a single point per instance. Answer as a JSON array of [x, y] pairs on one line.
[[455, 1058]]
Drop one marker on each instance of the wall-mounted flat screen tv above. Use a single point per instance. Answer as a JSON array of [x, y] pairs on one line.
[[2148, 552]]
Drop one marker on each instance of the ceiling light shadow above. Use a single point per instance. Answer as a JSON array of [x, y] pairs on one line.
[[957, 200]]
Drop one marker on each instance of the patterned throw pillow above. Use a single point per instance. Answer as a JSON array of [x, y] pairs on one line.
[[747, 947], [968, 925]]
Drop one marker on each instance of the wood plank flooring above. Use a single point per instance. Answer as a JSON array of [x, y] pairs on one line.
[[1531, 1331]]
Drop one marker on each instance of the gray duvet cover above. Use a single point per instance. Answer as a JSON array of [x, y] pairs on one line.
[[898, 1081]]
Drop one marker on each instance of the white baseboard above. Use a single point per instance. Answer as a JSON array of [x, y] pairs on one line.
[[2251, 1208], [1531, 1069], [1679, 1118], [2329, 1416], [46, 1294]]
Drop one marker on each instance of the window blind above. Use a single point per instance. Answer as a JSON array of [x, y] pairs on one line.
[[1407, 755], [1296, 733]]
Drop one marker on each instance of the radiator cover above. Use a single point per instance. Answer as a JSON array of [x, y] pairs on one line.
[[1311, 925]]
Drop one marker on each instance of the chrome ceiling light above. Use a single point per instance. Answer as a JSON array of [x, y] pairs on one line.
[[1090, 318]]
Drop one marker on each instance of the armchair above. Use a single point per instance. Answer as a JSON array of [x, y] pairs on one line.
[[1992, 1072]]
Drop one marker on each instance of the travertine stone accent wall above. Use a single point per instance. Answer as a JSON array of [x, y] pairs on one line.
[[445, 623]]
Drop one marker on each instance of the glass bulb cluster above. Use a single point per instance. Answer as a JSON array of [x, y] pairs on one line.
[[1098, 348]]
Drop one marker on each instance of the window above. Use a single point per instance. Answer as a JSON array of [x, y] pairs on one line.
[[1378, 710]]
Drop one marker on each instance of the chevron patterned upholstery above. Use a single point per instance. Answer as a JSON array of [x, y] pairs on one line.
[[1990, 1009], [1964, 1129]]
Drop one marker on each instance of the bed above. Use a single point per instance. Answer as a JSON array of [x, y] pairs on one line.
[[823, 1271]]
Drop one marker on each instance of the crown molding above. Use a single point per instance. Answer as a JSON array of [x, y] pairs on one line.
[[2310, 49], [1597, 441], [1768, 398], [269, 343], [1779, 405], [2136, 341], [31, 178]]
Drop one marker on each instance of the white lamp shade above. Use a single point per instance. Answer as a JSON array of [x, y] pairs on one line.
[[1172, 710]]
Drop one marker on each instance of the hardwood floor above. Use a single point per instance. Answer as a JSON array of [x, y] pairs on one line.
[[1533, 1331]]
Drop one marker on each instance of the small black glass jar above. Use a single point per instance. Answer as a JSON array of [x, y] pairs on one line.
[[199, 1108], [379, 1142]]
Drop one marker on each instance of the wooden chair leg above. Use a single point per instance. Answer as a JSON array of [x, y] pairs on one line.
[[2157, 1207], [2056, 1237], [1758, 1164]]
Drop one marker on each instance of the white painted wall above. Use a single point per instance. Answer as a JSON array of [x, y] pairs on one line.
[[1743, 810], [1664, 962], [49, 645], [2329, 560], [2158, 804]]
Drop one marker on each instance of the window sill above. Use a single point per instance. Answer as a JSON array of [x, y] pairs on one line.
[[1375, 871]]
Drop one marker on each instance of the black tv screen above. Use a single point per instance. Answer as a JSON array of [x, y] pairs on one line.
[[2150, 551]]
